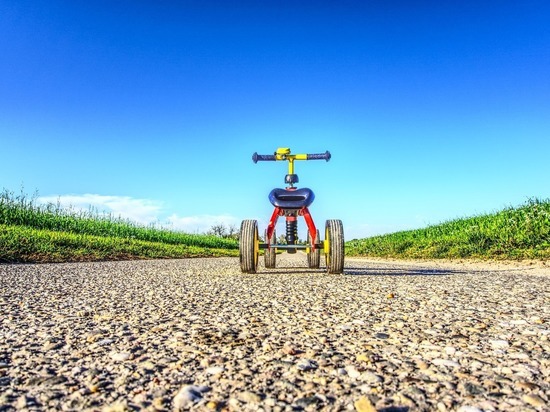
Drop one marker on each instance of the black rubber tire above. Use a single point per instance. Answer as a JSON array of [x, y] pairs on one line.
[[314, 256], [249, 245], [334, 250], [270, 254]]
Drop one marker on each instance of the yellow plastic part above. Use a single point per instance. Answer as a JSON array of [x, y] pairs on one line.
[[256, 248], [326, 245], [283, 153]]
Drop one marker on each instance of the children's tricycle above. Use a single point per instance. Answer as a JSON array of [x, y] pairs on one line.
[[291, 203]]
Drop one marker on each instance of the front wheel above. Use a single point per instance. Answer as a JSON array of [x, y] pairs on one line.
[[313, 256], [249, 246], [334, 246]]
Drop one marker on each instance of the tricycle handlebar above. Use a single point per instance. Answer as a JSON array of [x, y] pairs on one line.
[[284, 154]]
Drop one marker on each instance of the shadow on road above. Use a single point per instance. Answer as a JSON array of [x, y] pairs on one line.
[[383, 271], [362, 271]]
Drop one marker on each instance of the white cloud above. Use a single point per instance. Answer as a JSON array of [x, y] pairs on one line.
[[142, 211], [200, 223]]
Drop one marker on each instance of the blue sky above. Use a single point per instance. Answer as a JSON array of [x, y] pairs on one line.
[[152, 110]]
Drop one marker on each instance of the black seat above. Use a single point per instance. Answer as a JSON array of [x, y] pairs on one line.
[[291, 199]]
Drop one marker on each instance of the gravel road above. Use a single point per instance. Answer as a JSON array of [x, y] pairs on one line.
[[198, 334]]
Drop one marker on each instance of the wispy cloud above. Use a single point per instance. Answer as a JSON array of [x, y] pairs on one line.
[[200, 223], [141, 211]]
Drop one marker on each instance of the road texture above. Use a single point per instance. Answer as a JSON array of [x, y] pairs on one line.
[[197, 334]]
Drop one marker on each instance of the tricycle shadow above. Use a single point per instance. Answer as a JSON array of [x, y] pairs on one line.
[[362, 271], [383, 271]]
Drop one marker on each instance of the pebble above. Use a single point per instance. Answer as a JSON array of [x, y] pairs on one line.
[[446, 362], [215, 370], [306, 365], [467, 408], [533, 400], [499, 344], [188, 395], [364, 404], [249, 397], [371, 377], [352, 372], [120, 356], [197, 334]]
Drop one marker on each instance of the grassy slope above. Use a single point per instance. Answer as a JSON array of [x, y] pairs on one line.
[[514, 233], [24, 244], [48, 233]]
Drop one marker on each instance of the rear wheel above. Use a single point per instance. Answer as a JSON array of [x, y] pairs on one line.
[[313, 256], [249, 245], [334, 246], [271, 252]]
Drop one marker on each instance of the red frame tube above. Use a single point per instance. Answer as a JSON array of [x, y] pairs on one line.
[[302, 212]]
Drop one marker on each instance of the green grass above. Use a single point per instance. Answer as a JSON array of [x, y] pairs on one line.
[[514, 233], [48, 233]]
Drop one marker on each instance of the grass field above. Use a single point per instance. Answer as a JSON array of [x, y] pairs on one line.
[[48, 233], [514, 233]]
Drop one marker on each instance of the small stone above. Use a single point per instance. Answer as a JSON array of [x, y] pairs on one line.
[[212, 405], [476, 365], [188, 395], [352, 372], [158, 403], [118, 406], [499, 344], [363, 404], [214, 370], [519, 322], [450, 350], [422, 365], [362, 357], [371, 377], [105, 342], [308, 401], [381, 335], [306, 365], [526, 385], [472, 388], [49, 346], [93, 337], [270, 402], [446, 362], [120, 356], [468, 408], [249, 397], [533, 400], [289, 349], [22, 402]]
